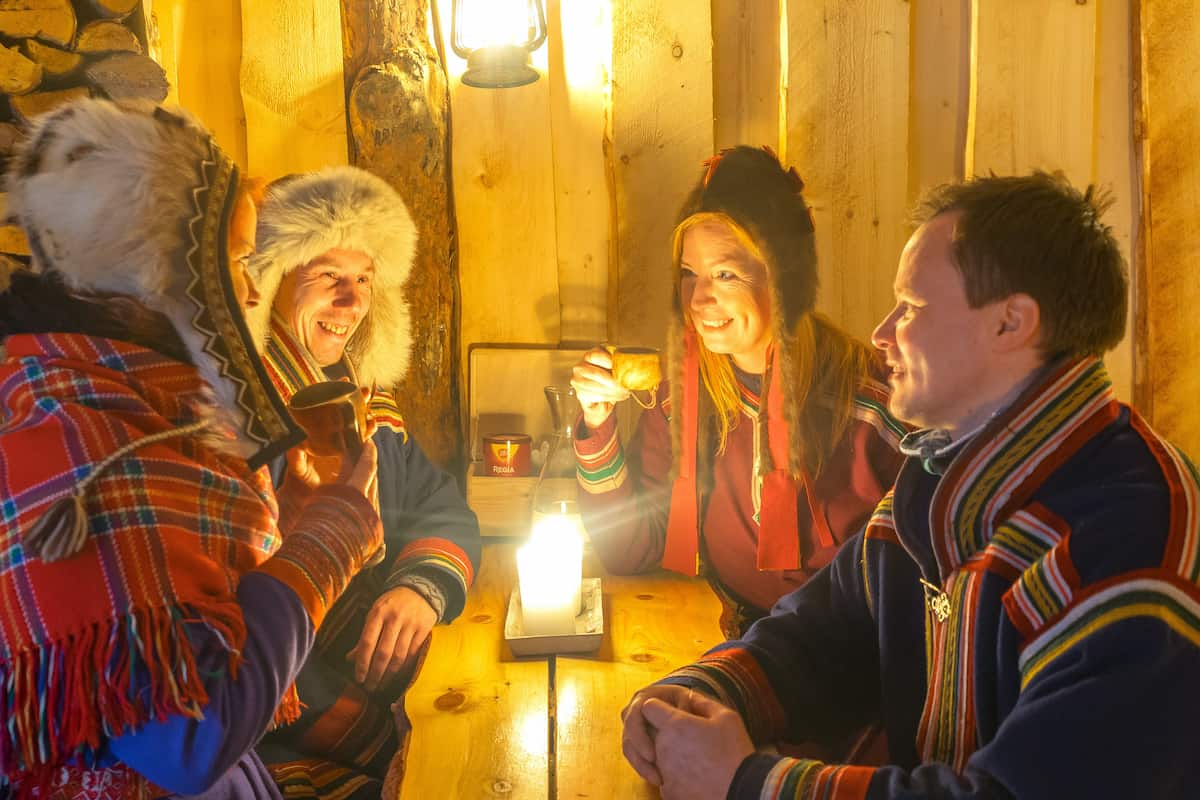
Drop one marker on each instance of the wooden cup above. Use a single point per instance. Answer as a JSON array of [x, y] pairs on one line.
[[333, 415], [637, 369]]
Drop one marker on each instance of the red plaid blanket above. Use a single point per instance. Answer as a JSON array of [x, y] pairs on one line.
[[172, 526]]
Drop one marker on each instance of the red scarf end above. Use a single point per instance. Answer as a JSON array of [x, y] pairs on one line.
[[778, 536], [682, 550]]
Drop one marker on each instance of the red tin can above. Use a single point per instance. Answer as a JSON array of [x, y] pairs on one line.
[[506, 455]]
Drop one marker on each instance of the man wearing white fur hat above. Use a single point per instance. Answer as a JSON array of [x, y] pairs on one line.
[[334, 250]]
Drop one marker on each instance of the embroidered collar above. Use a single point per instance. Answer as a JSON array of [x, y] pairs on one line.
[[996, 470], [291, 368], [219, 324]]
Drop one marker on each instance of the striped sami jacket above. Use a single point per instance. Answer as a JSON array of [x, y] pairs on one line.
[[1054, 653]]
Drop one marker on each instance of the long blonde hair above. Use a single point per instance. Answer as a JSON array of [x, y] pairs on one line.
[[827, 366]]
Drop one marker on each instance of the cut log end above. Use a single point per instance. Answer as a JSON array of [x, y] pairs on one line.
[[52, 21], [128, 76], [13, 241], [18, 74], [27, 107], [55, 63], [113, 9], [107, 36]]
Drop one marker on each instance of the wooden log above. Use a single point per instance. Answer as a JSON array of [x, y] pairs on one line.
[[107, 36], [113, 9], [128, 76], [18, 74], [13, 241], [55, 63], [399, 122], [28, 106], [50, 20]]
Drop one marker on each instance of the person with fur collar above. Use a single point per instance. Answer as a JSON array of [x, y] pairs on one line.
[[772, 443], [334, 251], [163, 597]]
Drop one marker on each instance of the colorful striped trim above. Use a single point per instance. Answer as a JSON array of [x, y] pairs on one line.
[[871, 407], [1020, 541], [1015, 453], [291, 368], [750, 401], [1176, 605], [1183, 483], [442, 555], [804, 779], [604, 470], [947, 730], [734, 676], [315, 778], [881, 527], [1043, 590]]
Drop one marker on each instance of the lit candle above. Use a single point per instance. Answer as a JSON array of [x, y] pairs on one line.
[[550, 570]]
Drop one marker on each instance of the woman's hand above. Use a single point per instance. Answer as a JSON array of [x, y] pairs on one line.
[[594, 386]]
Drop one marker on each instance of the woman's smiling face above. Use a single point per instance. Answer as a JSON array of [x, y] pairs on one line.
[[326, 300], [725, 292]]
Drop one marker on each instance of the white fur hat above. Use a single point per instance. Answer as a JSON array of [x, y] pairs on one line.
[[305, 216], [136, 200]]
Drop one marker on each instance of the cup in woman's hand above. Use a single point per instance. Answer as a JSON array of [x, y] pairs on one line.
[[333, 415], [636, 369]]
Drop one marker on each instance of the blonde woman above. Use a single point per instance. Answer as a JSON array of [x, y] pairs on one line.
[[772, 444]]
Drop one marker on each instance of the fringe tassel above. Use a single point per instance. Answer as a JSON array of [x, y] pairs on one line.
[[59, 701], [289, 708]]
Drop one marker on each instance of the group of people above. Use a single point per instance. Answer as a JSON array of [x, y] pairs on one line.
[[957, 567], [950, 565], [194, 604]]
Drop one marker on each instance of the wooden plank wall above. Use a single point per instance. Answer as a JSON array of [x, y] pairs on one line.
[[874, 101], [199, 45], [566, 190], [847, 134], [1169, 379], [265, 76]]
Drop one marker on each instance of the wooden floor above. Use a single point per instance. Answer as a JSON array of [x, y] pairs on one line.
[[489, 725]]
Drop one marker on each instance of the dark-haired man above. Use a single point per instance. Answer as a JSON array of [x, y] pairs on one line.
[[1022, 612]]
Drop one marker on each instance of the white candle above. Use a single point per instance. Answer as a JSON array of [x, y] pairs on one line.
[[550, 570]]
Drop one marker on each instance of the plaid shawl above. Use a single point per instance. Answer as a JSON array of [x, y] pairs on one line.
[[172, 527]]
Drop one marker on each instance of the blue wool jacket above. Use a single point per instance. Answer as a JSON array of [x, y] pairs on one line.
[[1054, 651]]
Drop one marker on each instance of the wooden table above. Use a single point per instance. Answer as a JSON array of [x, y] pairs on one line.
[[489, 725]]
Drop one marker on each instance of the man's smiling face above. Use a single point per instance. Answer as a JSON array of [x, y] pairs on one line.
[[326, 300]]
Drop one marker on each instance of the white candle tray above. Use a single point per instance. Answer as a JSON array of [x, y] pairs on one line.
[[589, 626]]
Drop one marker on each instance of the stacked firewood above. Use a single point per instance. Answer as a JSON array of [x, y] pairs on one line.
[[52, 51]]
